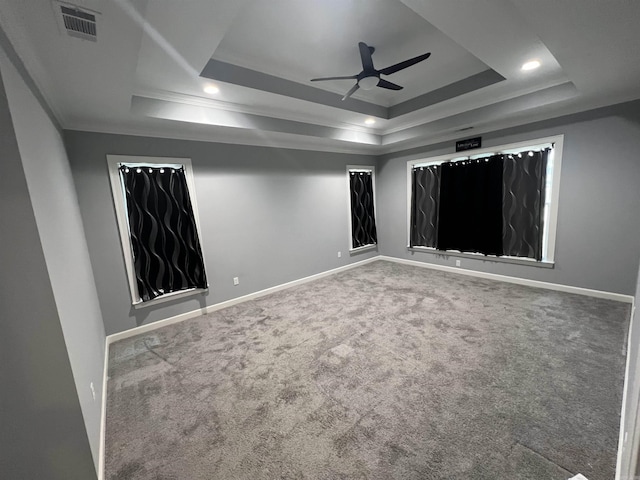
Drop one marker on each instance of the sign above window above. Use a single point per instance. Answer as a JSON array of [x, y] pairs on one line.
[[468, 144]]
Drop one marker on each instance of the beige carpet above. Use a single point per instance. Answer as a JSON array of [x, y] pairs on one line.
[[384, 371]]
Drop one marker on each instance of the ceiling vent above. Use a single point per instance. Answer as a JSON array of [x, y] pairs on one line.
[[77, 22]]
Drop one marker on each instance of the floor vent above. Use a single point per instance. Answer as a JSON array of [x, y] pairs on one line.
[[78, 23]]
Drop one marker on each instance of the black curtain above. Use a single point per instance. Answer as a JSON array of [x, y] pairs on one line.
[[523, 186], [424, 206], [166, 249], [363, 222], [470, 213]]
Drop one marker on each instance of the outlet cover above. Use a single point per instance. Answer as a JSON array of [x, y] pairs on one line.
[[339, 254], [457, 263], [236, 281]]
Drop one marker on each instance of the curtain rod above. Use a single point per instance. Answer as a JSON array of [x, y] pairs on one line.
[[510, 151]]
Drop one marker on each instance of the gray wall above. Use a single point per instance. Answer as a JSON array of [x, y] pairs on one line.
[[268, 216], [598, 221], [55, 205], [41, 422]]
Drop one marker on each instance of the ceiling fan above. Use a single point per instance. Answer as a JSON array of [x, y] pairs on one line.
[[369, 77]]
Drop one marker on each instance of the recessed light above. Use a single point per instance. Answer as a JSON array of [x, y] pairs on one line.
[[370, 121], [212, 89], [531, 65]]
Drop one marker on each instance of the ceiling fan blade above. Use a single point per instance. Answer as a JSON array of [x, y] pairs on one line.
[[351, 92], [365, 56], [347, 77], [402, 65], [386, 84]]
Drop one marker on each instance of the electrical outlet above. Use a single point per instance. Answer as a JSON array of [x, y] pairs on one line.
[[93, 391], [339, 254], [236, 281], [457, 263]]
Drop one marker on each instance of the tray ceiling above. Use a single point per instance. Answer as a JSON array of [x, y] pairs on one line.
[[147, 69]]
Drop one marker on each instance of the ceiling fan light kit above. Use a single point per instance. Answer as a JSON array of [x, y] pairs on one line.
[[369, 77], [367, 83]]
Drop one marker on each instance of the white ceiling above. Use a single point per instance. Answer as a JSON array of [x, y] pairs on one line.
[[143, 75]]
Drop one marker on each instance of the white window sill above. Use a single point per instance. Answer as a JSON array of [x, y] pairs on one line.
[[364, 248], [170, 296], [482, 257]]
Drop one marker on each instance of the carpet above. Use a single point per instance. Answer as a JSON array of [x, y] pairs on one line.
[[384, 371]]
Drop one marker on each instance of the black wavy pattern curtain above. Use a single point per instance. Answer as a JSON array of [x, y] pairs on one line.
[[363, 220], [424, 206], [470, 214], [523, 185], [166, 249]]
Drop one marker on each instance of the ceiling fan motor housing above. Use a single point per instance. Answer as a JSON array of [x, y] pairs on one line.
[[367, 83]]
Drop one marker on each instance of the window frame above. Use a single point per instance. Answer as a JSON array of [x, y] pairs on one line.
[[372, 170], [552, 194], [120, 205]]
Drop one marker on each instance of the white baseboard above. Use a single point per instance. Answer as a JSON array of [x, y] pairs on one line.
[[492, 276], [228, 303], [114, 337], [103, 413], [618, 297], [625, 464]]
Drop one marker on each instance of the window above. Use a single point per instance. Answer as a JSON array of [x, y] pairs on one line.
[[362, 218], [157, 218], [500, 202]]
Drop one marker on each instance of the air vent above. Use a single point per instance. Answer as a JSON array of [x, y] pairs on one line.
[[78, 23]]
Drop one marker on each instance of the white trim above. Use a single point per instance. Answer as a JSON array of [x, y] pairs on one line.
[[228, 303], [530, 262], [230, 136], [556, 159], [361, 168], [103, 411], [171, 296], [626, 469], [555, 198], [294, 116], [132, 332], [119, 206], [118, 195], [618, 297], [633, 446], [364, 248], [621, 440], [409, 195]]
